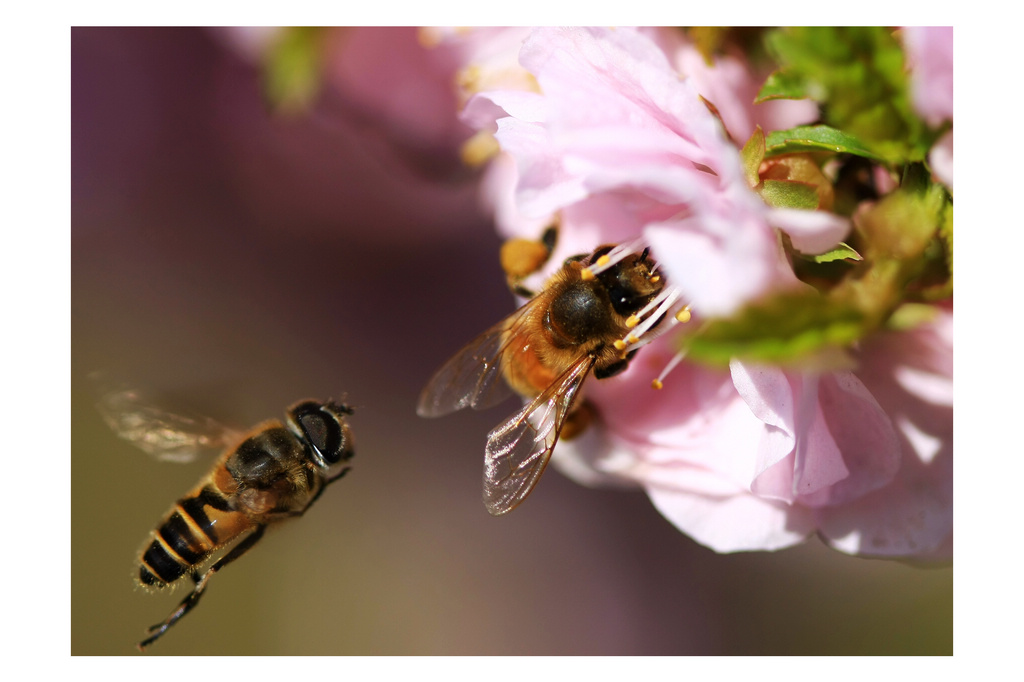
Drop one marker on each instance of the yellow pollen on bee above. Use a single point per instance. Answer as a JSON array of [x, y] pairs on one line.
[[632, 321], [586, 274], [619, 344], [657, 385], [683, 315]]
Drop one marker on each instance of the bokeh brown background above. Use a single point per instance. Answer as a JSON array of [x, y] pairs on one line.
[[235, 262]]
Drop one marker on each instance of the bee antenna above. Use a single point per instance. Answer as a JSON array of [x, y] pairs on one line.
[[340, 407]]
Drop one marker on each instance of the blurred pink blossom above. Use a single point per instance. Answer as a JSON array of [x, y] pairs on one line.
[[929, 52], [397, 83], [940, 158]]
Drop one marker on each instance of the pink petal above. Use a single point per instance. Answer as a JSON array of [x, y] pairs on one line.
[[705, 267], [731, 84], [930, 59], [736, 523], [941, 160], [695, 421], [862, 432], [812, 232], [604, 80], [484, 109], [544, 184], [497, 190], [844, 445], [912, 515]]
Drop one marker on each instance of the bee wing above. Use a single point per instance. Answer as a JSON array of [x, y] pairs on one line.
[[164, 435], [472, 377], [518, 450]]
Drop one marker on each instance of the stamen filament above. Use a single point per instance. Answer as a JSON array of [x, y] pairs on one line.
[[615, 255], [660, 305], [676, 359]]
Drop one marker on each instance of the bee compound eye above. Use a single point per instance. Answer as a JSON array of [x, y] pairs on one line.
[[323, 434], [322, 426]]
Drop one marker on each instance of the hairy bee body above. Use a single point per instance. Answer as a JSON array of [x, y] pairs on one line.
[[268, 476], [574, 326], [570, 318], [276, 471]]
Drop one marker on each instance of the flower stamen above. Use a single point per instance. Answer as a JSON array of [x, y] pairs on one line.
[[609, 259], [659, 383]]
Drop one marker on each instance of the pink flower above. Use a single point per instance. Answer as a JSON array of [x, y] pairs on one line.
[[732, 86], [940, 158], [930, 59], [929, 52], [759, 458], [394, 82], [618, 142], [615, 145]]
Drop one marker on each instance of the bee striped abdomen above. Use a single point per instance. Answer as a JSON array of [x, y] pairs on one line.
[[184, 539]]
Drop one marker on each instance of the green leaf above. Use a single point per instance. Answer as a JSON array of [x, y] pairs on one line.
[[815, 139], [752, 155], [783, 85], [911, 315], [899, 234], [292, 69], [946, 233], [782, 329], [900, 226], [789, 194], [842, 251], [858, 75]]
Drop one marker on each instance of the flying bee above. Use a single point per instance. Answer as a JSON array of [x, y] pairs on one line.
[[590, 317], [273, 472]]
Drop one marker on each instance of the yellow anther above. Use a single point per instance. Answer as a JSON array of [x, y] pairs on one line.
[[657, 385], [655, 279], [683, 315], [619, 344], [479, 149], [632, 338], [586, 274], [632, 321], [603, 260], [469, 77]]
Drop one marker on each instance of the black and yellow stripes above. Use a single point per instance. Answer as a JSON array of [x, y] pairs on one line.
[[185, 538]]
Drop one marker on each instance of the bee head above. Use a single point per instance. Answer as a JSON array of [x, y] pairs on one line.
[[629, 279], [323, 428]]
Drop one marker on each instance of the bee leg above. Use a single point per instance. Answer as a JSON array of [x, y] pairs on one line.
[[332, 479], [578, 420], [189, 602]]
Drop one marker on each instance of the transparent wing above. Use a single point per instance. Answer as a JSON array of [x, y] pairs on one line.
[[472, 377], [164, 435], [518, 450]]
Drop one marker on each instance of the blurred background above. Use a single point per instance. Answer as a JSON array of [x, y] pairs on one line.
[[233, 261]]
